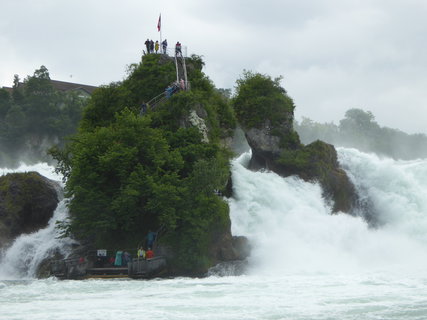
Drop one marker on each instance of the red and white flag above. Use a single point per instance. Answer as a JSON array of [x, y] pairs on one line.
[[159, 24]]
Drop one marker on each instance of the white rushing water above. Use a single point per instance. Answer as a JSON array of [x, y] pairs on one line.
[[305, 263], [288, 220], [43, 168]]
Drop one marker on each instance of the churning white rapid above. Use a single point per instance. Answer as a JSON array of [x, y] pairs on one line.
[[292, 228], [305, 264], [22, 258]]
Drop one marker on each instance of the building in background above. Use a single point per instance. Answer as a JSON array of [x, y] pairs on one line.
[[83, 90]]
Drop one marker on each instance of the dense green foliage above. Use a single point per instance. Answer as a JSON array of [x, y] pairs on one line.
[[260, 102], [311, 160], [258, 98], [34, 117], [128, 174], [360, 130]]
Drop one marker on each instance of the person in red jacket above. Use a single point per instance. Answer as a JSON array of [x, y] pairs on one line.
[[149, 254]]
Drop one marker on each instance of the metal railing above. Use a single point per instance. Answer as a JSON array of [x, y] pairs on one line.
[[156, 100], [145, 267], [164, 96]]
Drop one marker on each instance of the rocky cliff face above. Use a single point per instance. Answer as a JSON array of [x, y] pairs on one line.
[[27, 202], [197, 117], [266, 112], [318, 162], [223, 247], [277, 148], [228, 248]]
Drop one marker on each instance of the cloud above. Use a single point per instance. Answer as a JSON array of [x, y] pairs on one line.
[[334, 55]]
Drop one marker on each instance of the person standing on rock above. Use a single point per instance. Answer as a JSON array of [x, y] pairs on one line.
[[147, 45], [156, 46], [165, 46], [151, 46]]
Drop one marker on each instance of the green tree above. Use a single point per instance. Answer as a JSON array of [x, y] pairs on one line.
[[17, 93], [114, 167], [259, 97], [358, 120], [310, 131], [14, 124], [40, 102], [5, 103], [261, 102]]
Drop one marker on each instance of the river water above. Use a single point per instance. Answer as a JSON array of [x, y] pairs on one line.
[[305, 262]]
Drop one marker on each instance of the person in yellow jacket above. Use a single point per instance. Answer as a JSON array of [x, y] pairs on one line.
[[156, 46], [141, 253]]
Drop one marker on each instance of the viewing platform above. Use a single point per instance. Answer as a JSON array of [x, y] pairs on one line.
[[138, 268]]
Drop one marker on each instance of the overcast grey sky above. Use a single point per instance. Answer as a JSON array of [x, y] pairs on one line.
[[333, 54]]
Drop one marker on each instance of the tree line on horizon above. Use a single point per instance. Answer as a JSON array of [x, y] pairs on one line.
[[359, 130]]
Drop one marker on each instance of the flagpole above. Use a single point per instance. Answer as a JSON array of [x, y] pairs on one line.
[[160, 29]]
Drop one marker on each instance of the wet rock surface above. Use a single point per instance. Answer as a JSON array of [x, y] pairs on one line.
[[27, 202]]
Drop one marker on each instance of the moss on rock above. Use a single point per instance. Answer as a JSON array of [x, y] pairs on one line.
[[27, 202], [318, 162]]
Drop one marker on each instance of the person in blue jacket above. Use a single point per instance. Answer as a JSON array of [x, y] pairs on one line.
[[151, 237]]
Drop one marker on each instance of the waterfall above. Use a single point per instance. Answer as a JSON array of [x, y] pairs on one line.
[[22, 259], [289, 224], [292, 229]]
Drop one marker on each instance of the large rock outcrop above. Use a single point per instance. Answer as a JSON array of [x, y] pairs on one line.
[[266, 114], [27, 202], [229, 248]]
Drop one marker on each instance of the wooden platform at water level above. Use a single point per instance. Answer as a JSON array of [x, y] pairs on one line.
[[106, 273], [137, 268]]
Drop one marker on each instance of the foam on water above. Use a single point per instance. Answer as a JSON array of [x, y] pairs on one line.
[[292, 229], [293, 297]]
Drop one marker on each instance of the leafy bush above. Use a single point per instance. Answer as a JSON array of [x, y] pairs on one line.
[[258, 98]]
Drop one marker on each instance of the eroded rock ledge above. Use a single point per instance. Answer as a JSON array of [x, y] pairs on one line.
[[314, 162]]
